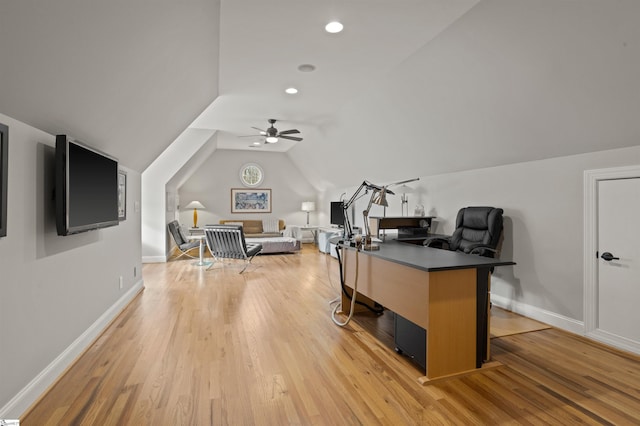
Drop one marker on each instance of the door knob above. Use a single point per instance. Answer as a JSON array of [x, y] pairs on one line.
[[608, 256]]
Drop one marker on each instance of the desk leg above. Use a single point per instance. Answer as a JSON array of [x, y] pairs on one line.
[[483, 352], [452, 331]]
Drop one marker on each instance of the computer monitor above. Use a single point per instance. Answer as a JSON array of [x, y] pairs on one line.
[[337, 213]]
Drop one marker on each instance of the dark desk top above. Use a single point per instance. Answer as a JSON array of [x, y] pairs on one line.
[[402, 217], [431, 259]]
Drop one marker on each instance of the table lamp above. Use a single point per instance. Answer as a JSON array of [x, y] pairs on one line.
[[308, 206], [404, 189], [195, 205]]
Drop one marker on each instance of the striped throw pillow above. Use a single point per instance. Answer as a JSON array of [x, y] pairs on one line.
[[270, 226]]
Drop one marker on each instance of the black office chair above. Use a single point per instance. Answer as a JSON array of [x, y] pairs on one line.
[[479, 230], [182, 242], [227, 242]]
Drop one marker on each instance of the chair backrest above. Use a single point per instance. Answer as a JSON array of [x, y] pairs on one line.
[[226, 241], [478, 225], [176, 232]]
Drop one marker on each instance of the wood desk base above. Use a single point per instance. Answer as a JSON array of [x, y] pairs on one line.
[[425, 381], [442, 302]]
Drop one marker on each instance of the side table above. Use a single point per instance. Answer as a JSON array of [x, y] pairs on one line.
[[201, 238], [313, 230]]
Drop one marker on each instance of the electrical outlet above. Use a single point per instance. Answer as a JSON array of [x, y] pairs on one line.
[[121, 282]]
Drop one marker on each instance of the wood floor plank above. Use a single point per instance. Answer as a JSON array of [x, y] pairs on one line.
[[217, 347]]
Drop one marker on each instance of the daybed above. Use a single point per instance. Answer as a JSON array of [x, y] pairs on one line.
[[276, 244], [254, 228], [272, 242]]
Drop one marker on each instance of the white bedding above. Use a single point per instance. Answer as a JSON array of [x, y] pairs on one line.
[[276, 244]]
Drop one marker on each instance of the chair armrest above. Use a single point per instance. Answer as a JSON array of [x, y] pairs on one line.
[[481, 250], [437, 242]]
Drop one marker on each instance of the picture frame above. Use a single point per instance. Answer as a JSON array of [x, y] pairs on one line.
[[122, 195], [4, 177], [244, 200]]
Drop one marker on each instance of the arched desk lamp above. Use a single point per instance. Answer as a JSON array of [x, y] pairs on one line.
[[378, 196]]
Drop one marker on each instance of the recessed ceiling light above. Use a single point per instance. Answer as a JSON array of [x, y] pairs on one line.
[[291, 90], [333, 27], [306, 67], [256, 143]]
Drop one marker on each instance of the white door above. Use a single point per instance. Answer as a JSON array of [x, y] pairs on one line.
[[618, 263]]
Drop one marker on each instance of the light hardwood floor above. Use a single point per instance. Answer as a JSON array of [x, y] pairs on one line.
[[215, 347]]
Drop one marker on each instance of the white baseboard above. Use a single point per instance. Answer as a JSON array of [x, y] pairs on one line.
[[547, 317], [615, 341], [154, 259], [17, 406]]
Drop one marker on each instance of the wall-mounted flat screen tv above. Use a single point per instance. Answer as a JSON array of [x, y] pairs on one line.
[[4, 176], [86, 188], [337, 213]]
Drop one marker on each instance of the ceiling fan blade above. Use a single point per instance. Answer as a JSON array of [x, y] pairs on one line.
[[289, 132], [262, 132], [293, 138], [250, 136]]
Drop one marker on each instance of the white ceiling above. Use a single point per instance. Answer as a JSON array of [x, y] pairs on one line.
[[263, 43], [409, 88]]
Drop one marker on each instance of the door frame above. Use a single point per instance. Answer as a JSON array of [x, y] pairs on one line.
[[590, 264]]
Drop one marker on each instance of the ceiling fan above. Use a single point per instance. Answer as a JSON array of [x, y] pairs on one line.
[[272, 134]]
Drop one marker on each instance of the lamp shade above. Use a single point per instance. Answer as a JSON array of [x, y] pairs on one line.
[[405, 189], [194, 205], [380, 198], [308, 206]]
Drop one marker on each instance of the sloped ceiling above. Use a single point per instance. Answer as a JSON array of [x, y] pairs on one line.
[[262, 44], [409, 88], [124, 76], [508, 82]]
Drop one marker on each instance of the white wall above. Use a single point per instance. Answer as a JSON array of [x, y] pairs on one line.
[[155, 214], [53, 289], [543, 204], [211, 185]]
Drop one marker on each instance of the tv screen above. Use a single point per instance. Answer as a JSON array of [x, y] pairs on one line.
[[337, 213], [4, 175], [86, 188]]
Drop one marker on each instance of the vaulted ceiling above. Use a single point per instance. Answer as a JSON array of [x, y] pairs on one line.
[[410, 87]]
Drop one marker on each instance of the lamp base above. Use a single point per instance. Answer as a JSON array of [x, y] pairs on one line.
[[367, 245]]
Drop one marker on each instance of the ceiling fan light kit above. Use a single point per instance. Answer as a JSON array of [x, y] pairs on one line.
[[273, 135]]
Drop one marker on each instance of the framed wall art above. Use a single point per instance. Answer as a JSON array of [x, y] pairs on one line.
[[4, 177], [122, 195], [245, 200]]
